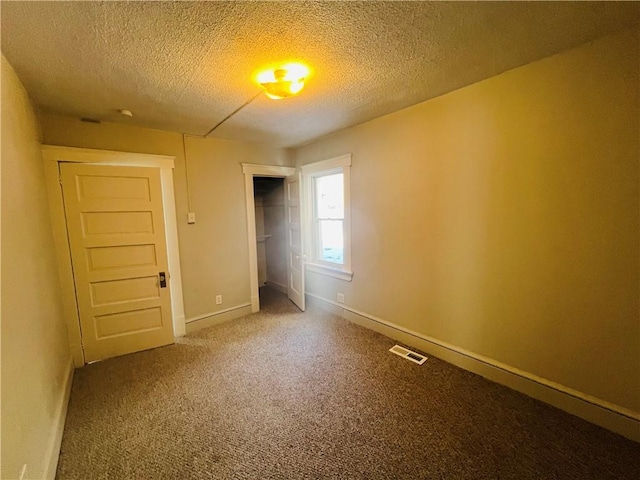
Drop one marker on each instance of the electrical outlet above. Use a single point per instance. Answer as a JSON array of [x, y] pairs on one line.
[[23, 472], [191, 217], [218, 299], [341, 298]]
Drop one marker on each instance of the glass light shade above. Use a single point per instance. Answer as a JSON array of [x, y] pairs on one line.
[[282, 89], [283, 82]]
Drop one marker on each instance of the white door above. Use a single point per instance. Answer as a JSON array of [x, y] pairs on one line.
[[295, 258], [116, 230]]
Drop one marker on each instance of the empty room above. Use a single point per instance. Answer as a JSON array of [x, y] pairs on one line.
[[313, 239]]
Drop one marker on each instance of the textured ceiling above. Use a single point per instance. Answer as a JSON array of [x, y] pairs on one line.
[[184, 66]]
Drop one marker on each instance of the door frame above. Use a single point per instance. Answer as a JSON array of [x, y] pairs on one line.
[[251, 170], [53, 155]]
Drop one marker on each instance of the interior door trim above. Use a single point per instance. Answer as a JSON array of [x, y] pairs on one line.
[[52, 156]]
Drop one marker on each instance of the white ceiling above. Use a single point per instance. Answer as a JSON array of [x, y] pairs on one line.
[[184, 66]]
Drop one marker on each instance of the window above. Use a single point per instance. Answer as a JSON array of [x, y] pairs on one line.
[[328, 217]]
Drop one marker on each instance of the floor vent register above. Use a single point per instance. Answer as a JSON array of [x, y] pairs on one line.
[[408, 354]]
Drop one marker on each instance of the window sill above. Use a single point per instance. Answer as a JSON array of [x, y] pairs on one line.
[[330, 272]]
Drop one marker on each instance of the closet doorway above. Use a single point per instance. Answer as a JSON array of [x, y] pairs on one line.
[[251, 172], [271, 247]]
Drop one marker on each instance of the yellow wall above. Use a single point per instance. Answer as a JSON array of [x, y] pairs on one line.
[[503, 218], [36, 360], [213, 252]]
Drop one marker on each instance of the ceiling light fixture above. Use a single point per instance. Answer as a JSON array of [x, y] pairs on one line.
[[283, 82]]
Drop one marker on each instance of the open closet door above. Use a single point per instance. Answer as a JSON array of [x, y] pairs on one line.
[[295, 257]]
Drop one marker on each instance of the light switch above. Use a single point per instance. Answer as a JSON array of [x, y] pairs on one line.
[[191, 217]]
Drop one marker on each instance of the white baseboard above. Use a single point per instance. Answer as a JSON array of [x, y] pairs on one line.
[[595, 410], [55, 440], [278, 286], [215, 318]]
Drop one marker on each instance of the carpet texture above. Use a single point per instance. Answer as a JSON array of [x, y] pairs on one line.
[[285, 395]]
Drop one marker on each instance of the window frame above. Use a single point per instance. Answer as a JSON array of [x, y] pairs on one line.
[[310, 173]]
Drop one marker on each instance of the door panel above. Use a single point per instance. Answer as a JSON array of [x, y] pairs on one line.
[[295, 257], [116, 291], [113, 187], [136, 321], [116, 233], [113, 223], [120, 257]]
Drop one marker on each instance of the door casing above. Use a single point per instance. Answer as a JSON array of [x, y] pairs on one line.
[[52, 156]]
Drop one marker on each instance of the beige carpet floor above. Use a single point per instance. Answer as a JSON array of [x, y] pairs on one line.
[[290, 395]]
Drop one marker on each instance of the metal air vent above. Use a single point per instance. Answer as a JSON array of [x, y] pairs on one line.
[[408, 354]]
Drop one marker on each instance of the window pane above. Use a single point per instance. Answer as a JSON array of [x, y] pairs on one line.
[[330, 196], [331, 241]]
